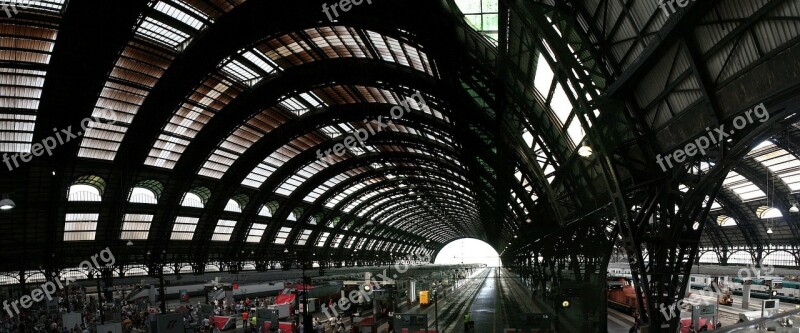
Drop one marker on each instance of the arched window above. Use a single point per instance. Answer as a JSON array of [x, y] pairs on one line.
[[84, 193], [142, 195], [87, 188], [233, 206], [768, 212], [709, 258], [740, 257], [265, 211], [779, 258], [725, 221], [237, 203], [192, 200]]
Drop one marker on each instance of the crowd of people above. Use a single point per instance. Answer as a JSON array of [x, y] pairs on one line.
[[44, 317]]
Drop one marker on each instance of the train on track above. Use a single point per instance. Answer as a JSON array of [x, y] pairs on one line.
[[785, 290]]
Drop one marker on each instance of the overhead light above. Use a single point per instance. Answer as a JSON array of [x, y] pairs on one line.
[[369, 224], [515, 236], [794, 208], [130, 243], [285, 250], [427, 241], [769, 231], [585, 151], [6, 203]]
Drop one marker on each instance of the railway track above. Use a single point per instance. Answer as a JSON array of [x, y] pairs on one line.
[[452, 311]]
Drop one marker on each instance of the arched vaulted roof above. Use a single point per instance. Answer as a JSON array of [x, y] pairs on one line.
[[208, 102]]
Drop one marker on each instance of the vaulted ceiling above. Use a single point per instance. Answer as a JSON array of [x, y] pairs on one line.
[[216, 127]]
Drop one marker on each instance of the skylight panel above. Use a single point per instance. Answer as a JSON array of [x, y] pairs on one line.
[[213, 94], [282, 235], [184, 228], [575, 131], [337, 241], [53, 6], [303, 239], [331, 131], [136, 226], [261, 61], [357, 151], [294, 105], [350, 241], [256, 232], [543, 79], [223, 231], [322, 239], [560, 104], [241, 73], [341, 195], [21, 89], [162, 33], [244, 137], [181, 14], [136, 71], [80, 227]]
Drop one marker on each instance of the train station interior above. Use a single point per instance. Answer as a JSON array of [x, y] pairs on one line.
[[376, 166]]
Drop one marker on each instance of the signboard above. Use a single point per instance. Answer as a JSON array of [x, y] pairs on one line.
[[223, 323], [703, 310], [169, 323], [235, 286]]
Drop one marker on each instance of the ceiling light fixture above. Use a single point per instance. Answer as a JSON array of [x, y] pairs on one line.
[[130, 243], [585, 151], [794, 208], [6, 203], [769, 231]]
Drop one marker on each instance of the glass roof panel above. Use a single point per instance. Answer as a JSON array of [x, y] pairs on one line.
[[282, 235], [136, 226], [184, 228], [24, 55], [80, 227], [303, 239], [256, 232], [223, 231], [136, 72]]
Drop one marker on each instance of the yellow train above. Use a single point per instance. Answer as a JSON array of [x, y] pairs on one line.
[[424, 298]]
